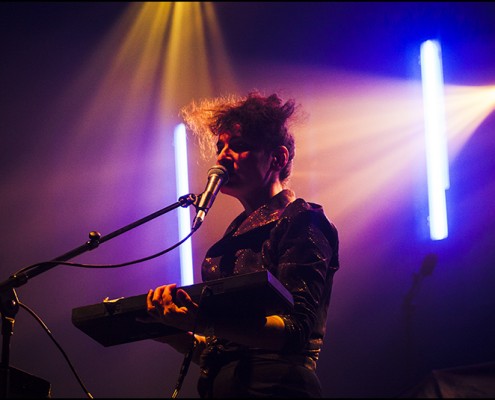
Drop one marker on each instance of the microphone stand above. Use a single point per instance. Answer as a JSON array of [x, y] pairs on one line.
[[408, 307], [9, 303]]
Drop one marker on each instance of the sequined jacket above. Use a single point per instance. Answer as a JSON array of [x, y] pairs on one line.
[[294, 240]]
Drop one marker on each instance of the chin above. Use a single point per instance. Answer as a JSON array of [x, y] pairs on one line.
[[229, 190]]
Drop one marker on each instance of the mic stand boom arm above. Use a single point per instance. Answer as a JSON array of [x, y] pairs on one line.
[[9, 304]]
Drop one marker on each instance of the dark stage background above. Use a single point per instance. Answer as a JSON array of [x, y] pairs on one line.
[[86, 144]]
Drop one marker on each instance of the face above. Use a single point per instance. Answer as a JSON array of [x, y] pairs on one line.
[[248, 166]]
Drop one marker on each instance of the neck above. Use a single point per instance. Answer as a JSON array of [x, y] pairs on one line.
[[256, 200]]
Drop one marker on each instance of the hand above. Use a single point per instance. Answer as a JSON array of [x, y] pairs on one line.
[[172, 306]]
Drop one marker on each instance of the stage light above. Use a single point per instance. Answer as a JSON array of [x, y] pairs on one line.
[[182, 185], [435, 138]]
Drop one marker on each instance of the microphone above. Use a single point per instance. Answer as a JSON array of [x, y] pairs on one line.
[[217, 176]]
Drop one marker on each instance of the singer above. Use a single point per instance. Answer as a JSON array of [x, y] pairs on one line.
[[277, 231]]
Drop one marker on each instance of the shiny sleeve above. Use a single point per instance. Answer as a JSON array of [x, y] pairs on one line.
[[304, 255]]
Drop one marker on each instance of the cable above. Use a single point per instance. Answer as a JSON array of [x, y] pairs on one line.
[[73, 264], [189, 355], [45, 328], [185, 366]]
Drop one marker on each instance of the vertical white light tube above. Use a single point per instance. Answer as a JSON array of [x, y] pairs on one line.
[[182, 184], [437, 163]]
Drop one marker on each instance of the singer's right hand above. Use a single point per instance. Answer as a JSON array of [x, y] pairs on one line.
[[172, 306]]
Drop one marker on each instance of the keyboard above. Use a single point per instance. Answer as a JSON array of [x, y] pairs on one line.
[[114, 322]]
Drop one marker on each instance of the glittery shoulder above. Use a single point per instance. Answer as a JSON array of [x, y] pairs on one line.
[[267, 213]]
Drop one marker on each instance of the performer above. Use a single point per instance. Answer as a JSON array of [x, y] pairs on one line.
[[288, 236]]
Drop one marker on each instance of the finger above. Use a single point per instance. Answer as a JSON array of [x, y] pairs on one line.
[[168, 295], [157, 300], [184, 299], [149, 298], [157, 294]]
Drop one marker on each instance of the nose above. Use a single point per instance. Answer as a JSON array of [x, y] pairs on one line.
[[224, 154], [225, 158]]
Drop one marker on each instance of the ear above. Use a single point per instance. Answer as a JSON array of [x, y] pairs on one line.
[[280, 158]]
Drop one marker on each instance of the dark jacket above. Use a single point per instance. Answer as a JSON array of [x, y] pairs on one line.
[[294, 240]]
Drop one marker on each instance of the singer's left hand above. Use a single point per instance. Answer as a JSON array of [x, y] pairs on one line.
[[172, 306]]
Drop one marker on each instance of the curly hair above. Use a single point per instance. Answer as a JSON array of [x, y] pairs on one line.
[[263, 119]]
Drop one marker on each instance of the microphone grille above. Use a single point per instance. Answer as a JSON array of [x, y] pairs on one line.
[[219, 170]]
